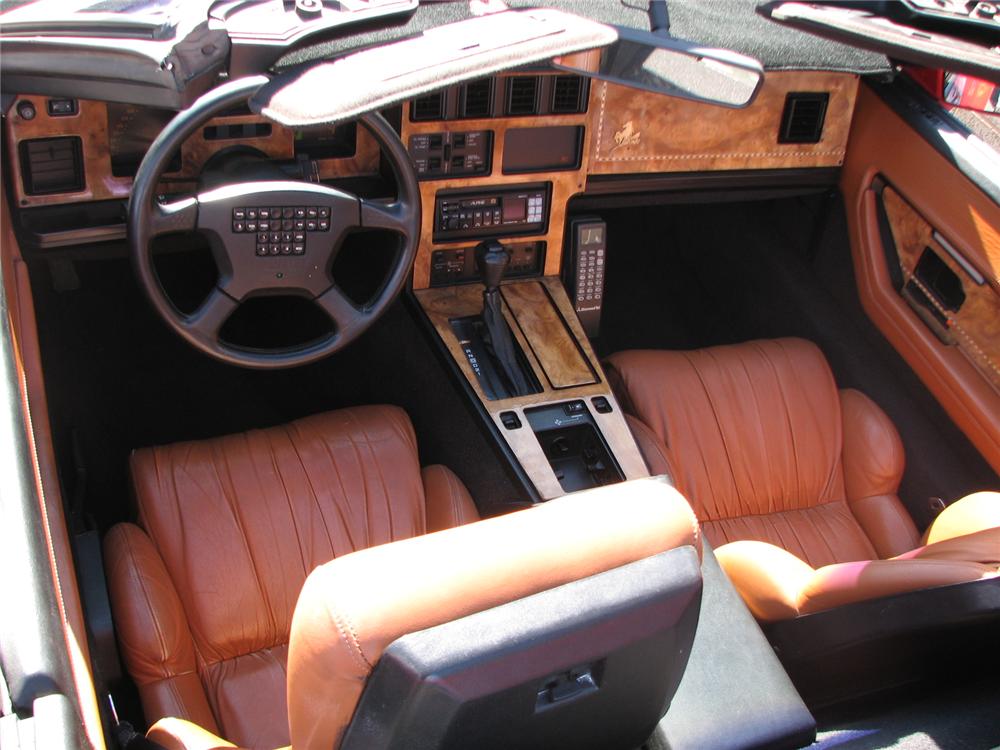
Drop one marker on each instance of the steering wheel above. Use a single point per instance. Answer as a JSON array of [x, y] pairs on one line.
[[306, 225]]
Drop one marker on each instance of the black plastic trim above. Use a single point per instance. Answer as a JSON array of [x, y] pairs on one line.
[[686, 182], [867, 646], [586, 665]]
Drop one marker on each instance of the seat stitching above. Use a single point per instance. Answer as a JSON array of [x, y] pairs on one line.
[[234, 510], [381, 477], [336, 505], [697, 434], [364, 479], [453, 492], [145, 597], [350, 636], [288, 496], [786, 414], [760, 425]]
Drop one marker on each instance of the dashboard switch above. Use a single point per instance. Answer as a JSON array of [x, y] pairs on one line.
[[61, 107]]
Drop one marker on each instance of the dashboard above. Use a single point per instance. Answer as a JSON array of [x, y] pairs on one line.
[[497, 157]]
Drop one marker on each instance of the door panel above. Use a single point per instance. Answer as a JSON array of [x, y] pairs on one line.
[[955, 352]]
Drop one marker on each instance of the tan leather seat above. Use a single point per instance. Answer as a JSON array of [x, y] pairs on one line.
[[792, 480], [233, 529]]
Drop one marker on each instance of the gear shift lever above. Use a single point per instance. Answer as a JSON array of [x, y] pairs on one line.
[[492, 258]]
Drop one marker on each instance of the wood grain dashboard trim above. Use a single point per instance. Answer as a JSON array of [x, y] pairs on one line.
[[565, 184], [636, 131], [90, 124]]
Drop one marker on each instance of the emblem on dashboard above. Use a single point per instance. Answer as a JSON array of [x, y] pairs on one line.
[[627, 136]]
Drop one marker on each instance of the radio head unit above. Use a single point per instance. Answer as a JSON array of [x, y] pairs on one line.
[[491, 212]]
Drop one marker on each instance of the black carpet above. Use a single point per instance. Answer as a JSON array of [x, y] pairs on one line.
[[949, 717], [118, 379]]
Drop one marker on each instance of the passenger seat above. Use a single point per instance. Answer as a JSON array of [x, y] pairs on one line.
[[794, 481]]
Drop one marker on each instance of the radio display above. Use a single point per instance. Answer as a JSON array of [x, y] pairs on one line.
[[514, 208], [492, 212]]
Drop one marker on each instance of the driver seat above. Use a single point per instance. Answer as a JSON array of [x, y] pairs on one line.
[[203, 589], [247, 608]]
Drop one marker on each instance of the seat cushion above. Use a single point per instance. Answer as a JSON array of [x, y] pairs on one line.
[[237, 523], [776, 585]]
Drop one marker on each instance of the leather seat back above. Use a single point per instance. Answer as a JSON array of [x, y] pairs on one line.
[[239, 522], [353, 608], [758, 438]]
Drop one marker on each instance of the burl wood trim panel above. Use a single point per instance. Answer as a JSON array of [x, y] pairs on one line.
[[636, 131], [442, 305], [90, 124], [565, 184], [546, 333], [883, 145], [976, 325]]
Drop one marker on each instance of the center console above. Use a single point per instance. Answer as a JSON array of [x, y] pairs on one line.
[[498, 161], [571, 434]]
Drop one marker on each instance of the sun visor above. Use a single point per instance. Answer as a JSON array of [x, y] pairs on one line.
[[864, 29], [360, 82]]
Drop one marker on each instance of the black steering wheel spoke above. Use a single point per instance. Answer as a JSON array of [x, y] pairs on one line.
[[206, 322], [342, 311], [393, 216], [180, 215], [273, 237]]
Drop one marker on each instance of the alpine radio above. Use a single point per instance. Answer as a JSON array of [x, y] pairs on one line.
[[495, 212]]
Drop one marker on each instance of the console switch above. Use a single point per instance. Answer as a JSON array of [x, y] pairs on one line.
[[601, 405]]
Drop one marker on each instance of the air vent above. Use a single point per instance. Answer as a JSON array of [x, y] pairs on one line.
[[477, 98], [52, 165], [802, 120], [429, 107], [568, 95], [522, 95]]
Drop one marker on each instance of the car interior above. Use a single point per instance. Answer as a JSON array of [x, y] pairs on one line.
[[441, 381]]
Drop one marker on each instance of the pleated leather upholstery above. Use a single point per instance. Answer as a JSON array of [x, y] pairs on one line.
[[239, 522], [754, 433]]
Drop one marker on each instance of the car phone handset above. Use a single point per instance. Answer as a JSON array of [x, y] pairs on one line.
[[492, 259]]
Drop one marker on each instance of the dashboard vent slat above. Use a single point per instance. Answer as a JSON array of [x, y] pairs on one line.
[[803, 117], [52, 165], [568, 95], [522, 95], [428, 107], [477, 98]]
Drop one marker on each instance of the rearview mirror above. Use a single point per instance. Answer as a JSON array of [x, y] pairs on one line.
[[671, 66]]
